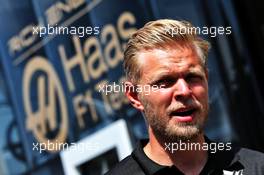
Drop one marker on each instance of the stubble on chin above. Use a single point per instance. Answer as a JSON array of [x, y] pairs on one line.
[[173, 132]]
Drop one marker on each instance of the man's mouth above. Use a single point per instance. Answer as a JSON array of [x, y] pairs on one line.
[[183, 114]]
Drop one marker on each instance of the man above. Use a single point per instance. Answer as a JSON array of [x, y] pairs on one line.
[[171, 59]]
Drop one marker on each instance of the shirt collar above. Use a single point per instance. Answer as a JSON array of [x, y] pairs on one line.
[[148, 166]]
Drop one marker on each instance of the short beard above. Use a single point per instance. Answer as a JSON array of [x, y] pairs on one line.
[[172, 133], [181, 131]]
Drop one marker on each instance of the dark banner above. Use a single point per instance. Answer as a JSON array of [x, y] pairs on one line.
[[56, 55]]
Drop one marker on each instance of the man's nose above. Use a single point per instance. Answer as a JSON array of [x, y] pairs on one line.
[[182, 89]]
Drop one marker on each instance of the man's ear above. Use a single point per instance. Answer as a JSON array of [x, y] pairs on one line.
[[132, 95]]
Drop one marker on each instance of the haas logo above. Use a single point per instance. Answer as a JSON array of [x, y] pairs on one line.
[[46, 110], [239, 172]]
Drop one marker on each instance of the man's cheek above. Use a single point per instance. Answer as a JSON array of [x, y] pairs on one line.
[[164, 97], [202, 95]]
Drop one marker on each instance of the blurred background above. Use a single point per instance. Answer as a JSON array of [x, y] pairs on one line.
[[49, 85]]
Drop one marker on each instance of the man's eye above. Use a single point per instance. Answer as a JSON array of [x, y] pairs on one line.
[[165, 83], [193, 78]]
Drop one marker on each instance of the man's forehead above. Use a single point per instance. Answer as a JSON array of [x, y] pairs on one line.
[[153, 70], [167, 55], [165, 59]]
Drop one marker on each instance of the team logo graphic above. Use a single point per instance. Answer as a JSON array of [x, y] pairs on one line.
[[46, 109]]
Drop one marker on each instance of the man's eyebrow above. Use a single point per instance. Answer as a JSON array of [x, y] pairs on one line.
[[168, 74], [196, 71], [157, 76]]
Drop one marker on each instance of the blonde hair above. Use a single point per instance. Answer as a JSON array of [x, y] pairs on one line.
[[160, 34]]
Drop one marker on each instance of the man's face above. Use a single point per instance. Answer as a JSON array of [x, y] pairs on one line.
[[179, 108]]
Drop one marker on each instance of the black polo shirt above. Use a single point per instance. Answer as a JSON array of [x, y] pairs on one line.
[[236, 161]]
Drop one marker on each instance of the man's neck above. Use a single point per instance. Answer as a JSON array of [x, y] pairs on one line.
[[187, 161]]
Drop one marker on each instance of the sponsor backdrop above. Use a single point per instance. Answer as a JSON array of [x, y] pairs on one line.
[[55, 57]]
